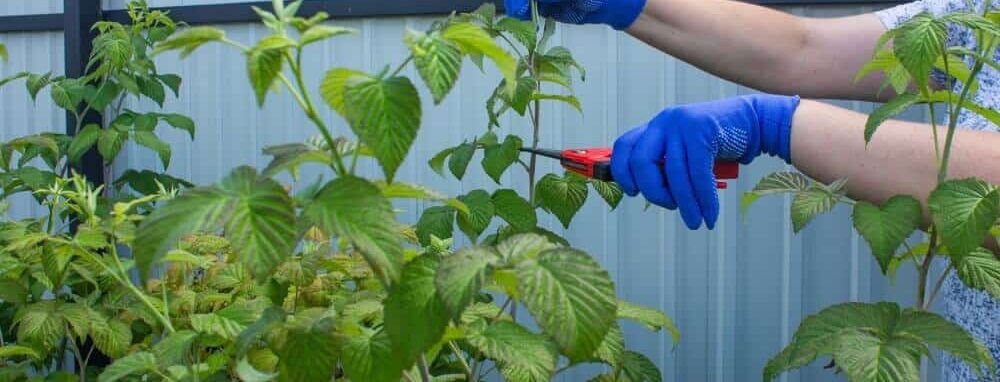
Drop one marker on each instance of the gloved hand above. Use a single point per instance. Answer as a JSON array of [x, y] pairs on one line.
[[670, 159], [619, 14]]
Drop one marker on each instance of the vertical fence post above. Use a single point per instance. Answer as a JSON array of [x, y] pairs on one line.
[[78, 17]]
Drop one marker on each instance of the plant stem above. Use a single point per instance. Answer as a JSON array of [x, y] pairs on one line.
[[310, 109], [402, 66], [122, 278], [465, 364], [937, 287], [924, 269], [425, 373]]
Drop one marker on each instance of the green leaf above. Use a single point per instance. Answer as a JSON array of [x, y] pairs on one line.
[[521, 355], [963, 212], [309, 353], [918, 43], [438, 61], [612, 349], [385, 114], [265, 62], [775, 183], [415, 317], [174, 348], [195, 210], [67, 93], [368, 357], [524, 246], [261, 222], [135, 363], [400, 190], [887, 227], [180, 122], [890, 109], [567, 99], [563, 59], [651, 318], [459, 160], [818, 199], [334, 85], [112, 337], [865, 357], [473, 40], [437, 162], [497, 158], [150, 140], [172, 81], [148, 182], [571, 297], [481, 212], [562, 196], [523, 31], [438, 221], [947, 336], [639, 368], [40, 323], [461, 276], [150, 88], [36, 82], [979, 269], [16, 351], [513, 209], [83, 141], [609, 191], [322, 32], [229, 322], [3, 53], [355, 210], [247, 373], [190, 39], [110, 143]]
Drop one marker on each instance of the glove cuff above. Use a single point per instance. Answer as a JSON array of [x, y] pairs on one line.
[[619, 15], [774, 119]]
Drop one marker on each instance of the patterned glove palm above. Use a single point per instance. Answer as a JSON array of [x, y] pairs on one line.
[[619, 14], [670, 159]]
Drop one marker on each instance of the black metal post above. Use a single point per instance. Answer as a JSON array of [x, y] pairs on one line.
[[78, 17]]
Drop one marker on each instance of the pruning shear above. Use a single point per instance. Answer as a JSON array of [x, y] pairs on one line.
[[595, 163]]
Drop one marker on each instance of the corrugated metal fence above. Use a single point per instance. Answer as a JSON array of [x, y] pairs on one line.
[[737, 293]]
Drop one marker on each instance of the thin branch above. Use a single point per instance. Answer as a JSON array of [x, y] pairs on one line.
[[937, 287], [461, 359], [425, 373]]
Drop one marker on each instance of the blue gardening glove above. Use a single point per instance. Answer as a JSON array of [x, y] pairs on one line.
[[670, 159], [619, 14]]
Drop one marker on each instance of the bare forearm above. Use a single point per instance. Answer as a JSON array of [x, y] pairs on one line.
[[828, 144], [764, 48]]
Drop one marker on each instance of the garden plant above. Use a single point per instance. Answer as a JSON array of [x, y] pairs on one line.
[[247, 279], [883, 341]]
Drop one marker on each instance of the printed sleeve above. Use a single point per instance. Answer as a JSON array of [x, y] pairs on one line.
[[894, 16]]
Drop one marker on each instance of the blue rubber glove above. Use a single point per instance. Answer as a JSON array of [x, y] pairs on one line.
[[670, 159], [619, 14]]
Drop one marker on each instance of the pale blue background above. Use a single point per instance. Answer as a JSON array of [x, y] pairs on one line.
[[737, 293]]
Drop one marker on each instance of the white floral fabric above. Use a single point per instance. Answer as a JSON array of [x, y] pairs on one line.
[[974, 310]]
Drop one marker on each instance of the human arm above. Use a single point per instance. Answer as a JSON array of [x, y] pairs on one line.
[[766, 49]]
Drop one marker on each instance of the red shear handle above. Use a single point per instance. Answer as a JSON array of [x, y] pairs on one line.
[[596, 163]]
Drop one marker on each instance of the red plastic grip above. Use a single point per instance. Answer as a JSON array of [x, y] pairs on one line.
[[584, 161]]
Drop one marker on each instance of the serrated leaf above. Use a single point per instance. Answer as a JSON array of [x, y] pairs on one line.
[[229, 322], [10, 351], [521, 354], [460, 277], [309, 353], [174, 348], [639, 368], [368, 357], [261, 223], [110, 143], [438, 221], [322, 32], [979, 269], [513, 209], [947, 336], [400, 190], [247, 373], [135, 363], [190, 39], [83, 141], [963, 212], [524, 246], [111, 337], [571, 297], [355, 210], [887, 227], [171, 81], [816, 200], [415, 317], [152, 89], [890, 109], [612, 349], [652, 319], [438, 61], [181, 122], [151, 141], [609, 191], [497, 158], [195, 210], [335, 84], [148, 182], [918, 43], [481, 212], [562, 196], [473, 40], [566, 99], [36, 82], [437, 162], [865, 357], [385, 114], [67, 93], [40, 323], [265, 62]]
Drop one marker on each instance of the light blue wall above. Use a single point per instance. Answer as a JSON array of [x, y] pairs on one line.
[[737, 293]]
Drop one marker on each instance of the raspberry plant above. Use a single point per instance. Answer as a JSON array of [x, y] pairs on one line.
[[882, 341]]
